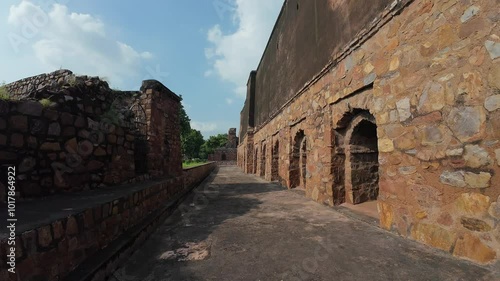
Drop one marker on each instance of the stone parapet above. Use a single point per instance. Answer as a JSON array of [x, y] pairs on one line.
[[86, 235]]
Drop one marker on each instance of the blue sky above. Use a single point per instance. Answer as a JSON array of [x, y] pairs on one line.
[[203, 50]]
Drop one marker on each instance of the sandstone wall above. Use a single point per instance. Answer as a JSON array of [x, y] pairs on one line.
[[428, 74]]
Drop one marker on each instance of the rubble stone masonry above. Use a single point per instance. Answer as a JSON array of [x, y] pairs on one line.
[[405, 112]]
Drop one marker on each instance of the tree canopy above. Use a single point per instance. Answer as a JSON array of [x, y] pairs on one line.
[[212, 144]]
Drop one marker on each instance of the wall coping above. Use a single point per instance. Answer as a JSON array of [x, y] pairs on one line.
[[36, 213], [196, 167]]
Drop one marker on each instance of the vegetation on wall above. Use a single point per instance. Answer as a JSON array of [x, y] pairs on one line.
[[4, 94]]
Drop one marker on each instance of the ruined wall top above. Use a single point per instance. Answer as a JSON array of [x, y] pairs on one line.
[[294, 55], [159, 87], [20, 89]]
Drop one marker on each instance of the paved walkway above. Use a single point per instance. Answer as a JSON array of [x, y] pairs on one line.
[[240, 227]]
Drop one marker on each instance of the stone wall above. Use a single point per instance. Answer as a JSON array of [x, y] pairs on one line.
[[51, 251], [164, 157], [20, 89], [425, 74], [193, 176], [55, 246], [229, 153], [78, 134], [65, 144], [223, 154]]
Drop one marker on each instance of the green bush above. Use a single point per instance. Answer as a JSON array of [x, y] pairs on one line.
[[4, 94], [46, 102]]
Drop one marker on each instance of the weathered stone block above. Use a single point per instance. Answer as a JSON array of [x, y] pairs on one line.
[[85, 148], [386, 215], [476, 156], [32, 108], [50, 146], [385, 145], [469, 246], [473, 204], [99, 151], [19, 123], [432, 98], [475, 224], [493, 48], [466, 123], [404, 110], [66, 119], [17, 140], [54, 129], [493, 81], [481, 180], [44, 236], [27, 164], [456, 179], [58, 229], [71, 226], [494, 210], [434, 235], [492, 103]]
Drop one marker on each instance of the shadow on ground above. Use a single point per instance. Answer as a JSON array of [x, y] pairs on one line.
[[239, 227]]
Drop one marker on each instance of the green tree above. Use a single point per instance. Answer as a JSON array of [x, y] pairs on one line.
[[212, 144], [184, 120], [192, 143]]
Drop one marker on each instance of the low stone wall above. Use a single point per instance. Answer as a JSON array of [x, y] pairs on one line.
[[51, 248], [54, 243], [193, 176], [226, 163]]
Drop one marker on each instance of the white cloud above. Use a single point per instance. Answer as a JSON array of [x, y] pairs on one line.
[[234, 55], [204, 127], [55, 38], [229, 101], [208, 73]]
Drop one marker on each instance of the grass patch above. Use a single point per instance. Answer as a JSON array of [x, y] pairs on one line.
[[4, 94], [46, 102], [191, 164]]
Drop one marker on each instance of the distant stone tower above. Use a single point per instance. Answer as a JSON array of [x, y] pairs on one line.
[[227, 155], [232, 139]]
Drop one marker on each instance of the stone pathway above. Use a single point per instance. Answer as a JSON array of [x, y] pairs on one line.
[[240, 227]]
